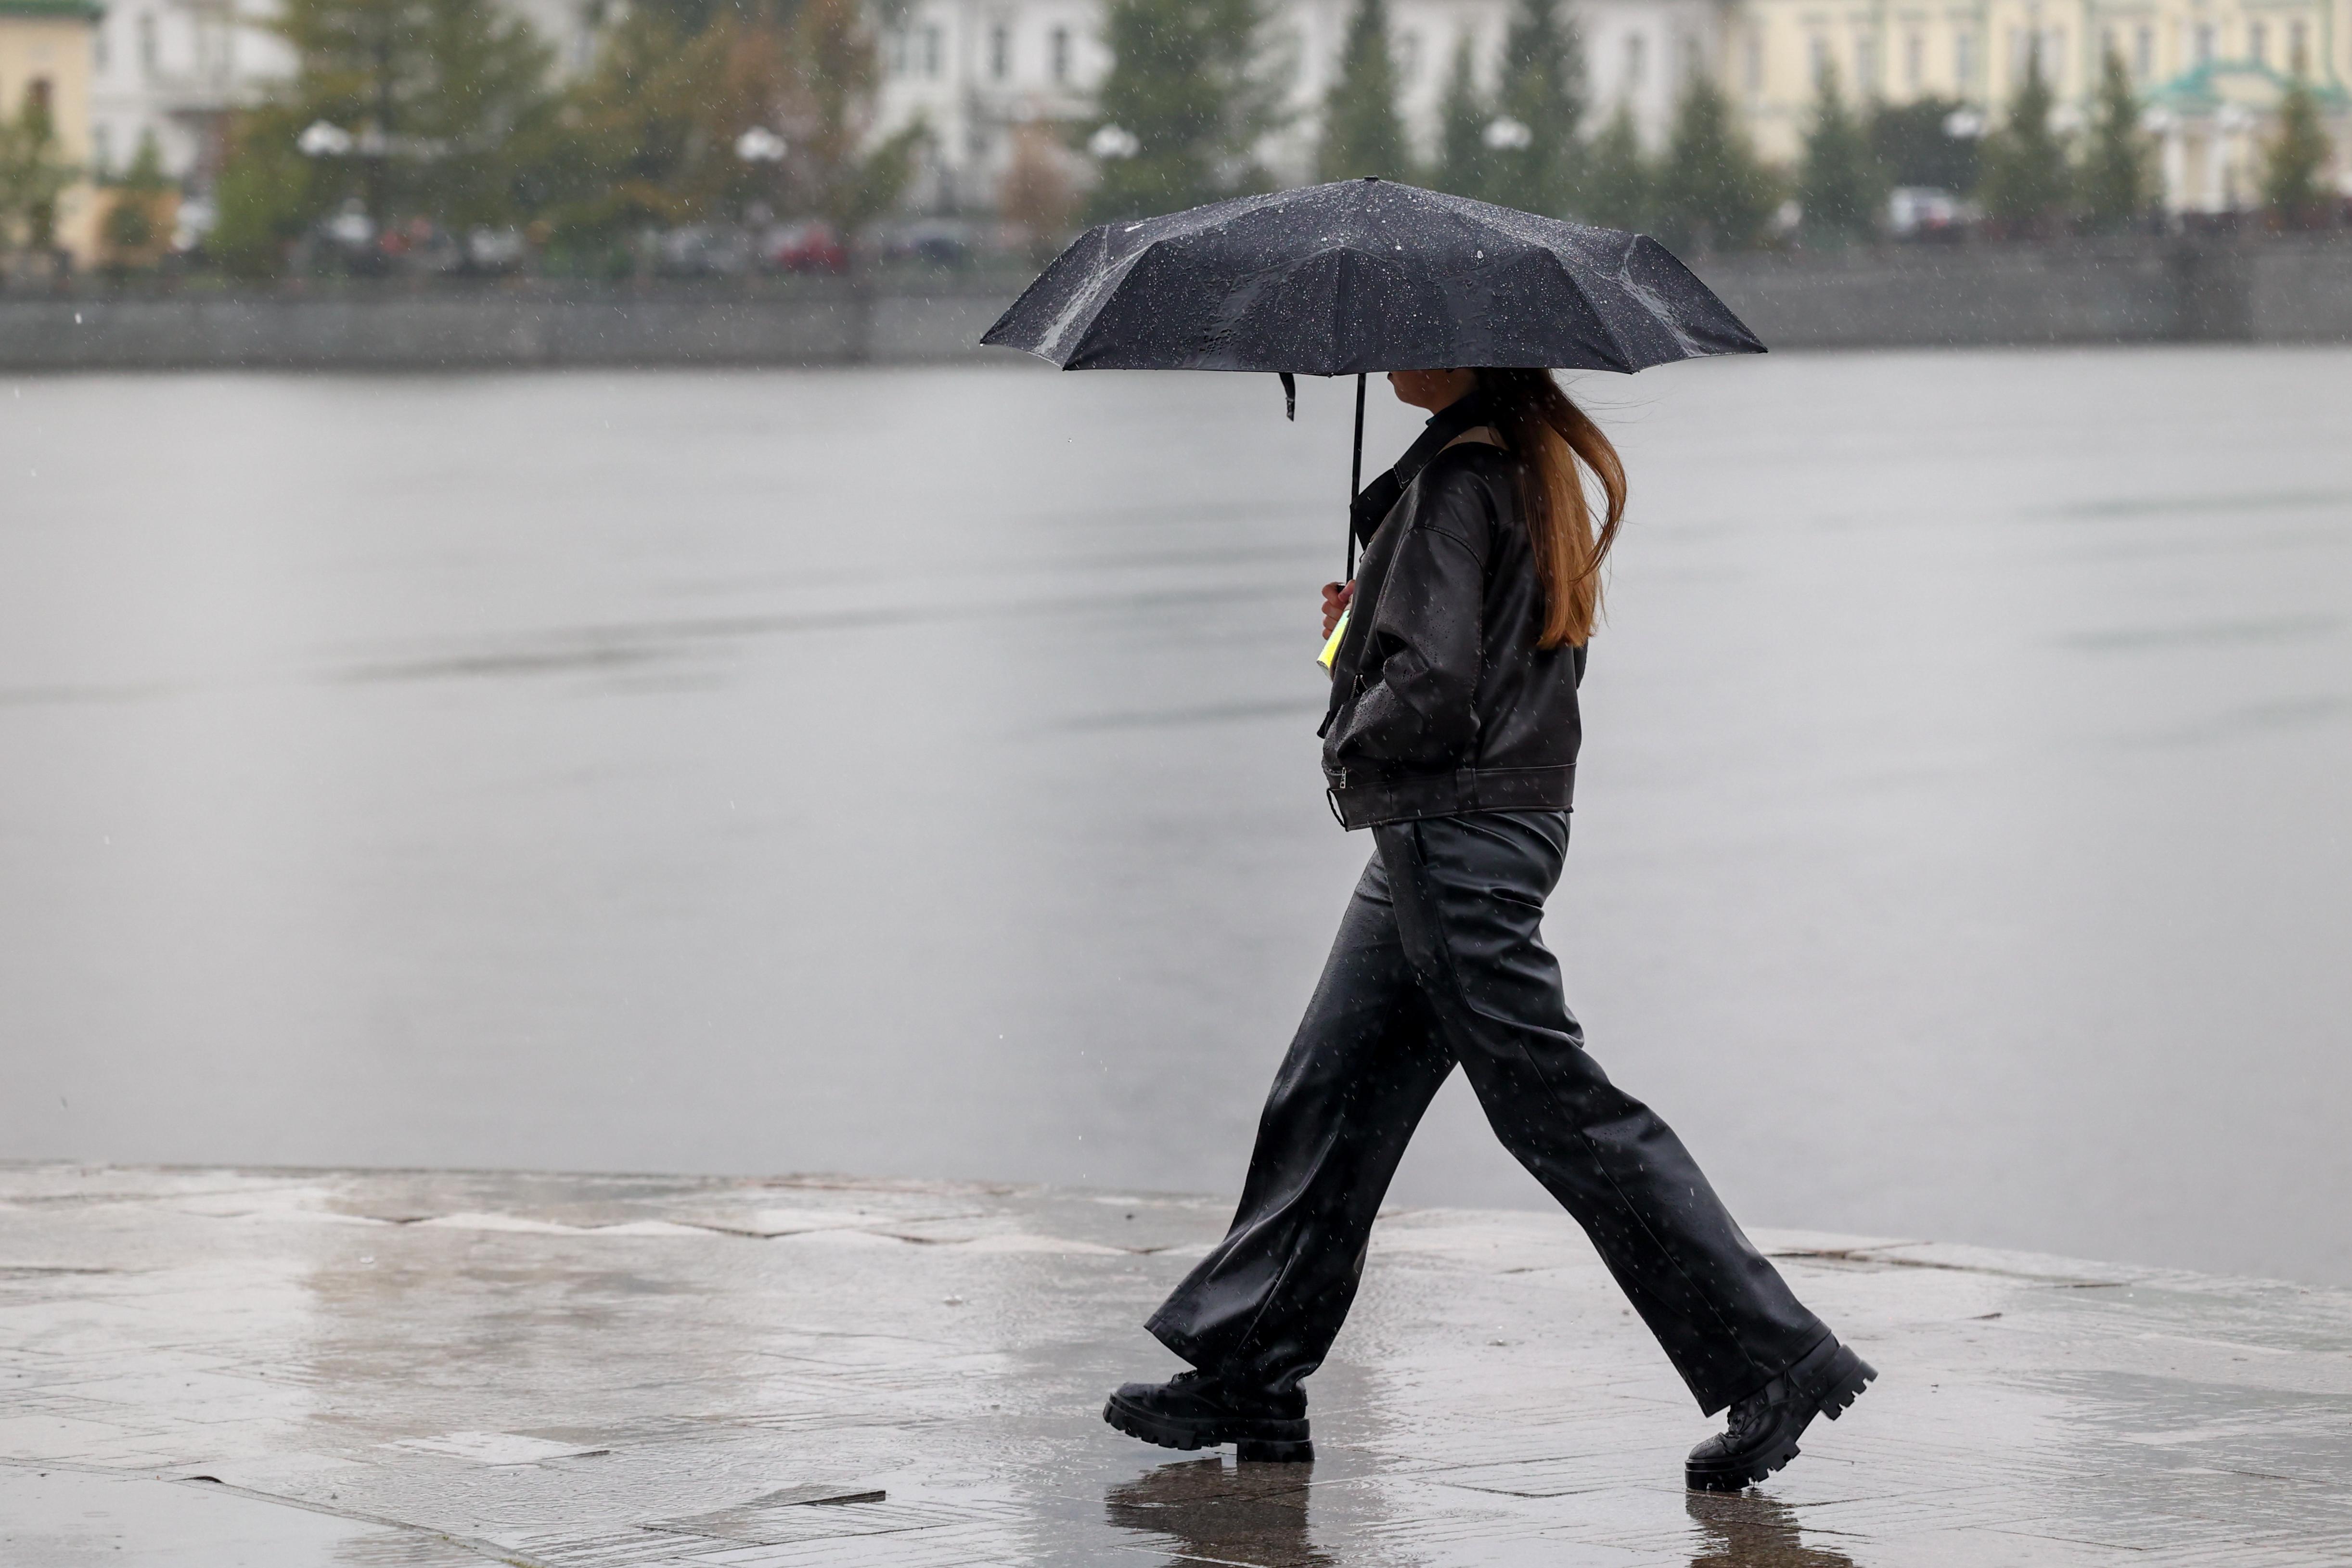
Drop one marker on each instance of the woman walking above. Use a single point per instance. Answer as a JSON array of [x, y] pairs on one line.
[[1453, 734]]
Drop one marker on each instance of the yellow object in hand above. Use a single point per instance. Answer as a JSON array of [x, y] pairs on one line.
[[1331, 647]]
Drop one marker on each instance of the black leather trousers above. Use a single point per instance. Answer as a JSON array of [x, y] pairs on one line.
[[1439, 961]]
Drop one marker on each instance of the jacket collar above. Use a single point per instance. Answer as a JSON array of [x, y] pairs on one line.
[[1465, 413]]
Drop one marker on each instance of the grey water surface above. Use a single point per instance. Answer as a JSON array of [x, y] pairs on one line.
[[913, 772]]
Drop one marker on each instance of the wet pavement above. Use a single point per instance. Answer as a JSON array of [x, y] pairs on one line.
[[403, 1370], [916, 771]]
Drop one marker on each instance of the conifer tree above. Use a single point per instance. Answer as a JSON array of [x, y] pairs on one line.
[[2114, 180], [1542, 91], [130, 228], [1617, 188], [1362, 133], [436, 95], [1188, 84], [1713, 192], [1911, 146], [2295, 159], [1840, 184], [1463, 116], [2024, 183], [32, 175]]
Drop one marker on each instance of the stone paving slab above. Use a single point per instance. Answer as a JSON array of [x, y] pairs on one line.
[[425, 1370]]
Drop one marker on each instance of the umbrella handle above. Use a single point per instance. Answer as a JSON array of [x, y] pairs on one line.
[[1355, 479]]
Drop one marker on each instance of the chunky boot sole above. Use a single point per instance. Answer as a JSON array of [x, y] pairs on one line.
[[1825, 1392], [1255, 1437]]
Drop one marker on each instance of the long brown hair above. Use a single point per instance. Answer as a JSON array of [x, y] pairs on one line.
[[1557, 444]]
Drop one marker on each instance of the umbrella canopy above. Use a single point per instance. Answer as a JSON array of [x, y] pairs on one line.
[[1365, 275]]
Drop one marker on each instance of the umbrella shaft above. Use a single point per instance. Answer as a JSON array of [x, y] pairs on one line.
[[1355, 479]]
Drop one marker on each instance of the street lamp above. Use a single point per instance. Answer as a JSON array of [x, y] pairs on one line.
[[322, 139], [1505, 134], [759, 145], [1113, 141]]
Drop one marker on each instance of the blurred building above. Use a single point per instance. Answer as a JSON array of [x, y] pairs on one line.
[[978, 70], [171, 70], [44, 66], [2211, 72]]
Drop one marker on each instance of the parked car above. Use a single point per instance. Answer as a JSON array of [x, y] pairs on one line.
[[496, 249], [703, 251], [934, 242], [811, 246], [1915, 210]]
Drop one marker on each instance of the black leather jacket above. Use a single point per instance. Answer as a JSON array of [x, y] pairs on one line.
[[1441, 701]]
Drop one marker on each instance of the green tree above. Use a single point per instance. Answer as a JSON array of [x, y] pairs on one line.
[[1713, 192], [1362, 133], [1190, 85], [649, 135], [835, 170], [1462, 118], [266, 195], [2293, 162], [2114, 183], [1909, 142], [1541, 92], [2024, 185], [645, 136], [437, 98], [130, 226], [1617, 187], [32, 174], [1840, 184]]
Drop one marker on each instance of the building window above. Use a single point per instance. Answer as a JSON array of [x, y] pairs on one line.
[[2143, 51], [147, 51], [102, 147], [1686, 47], [1915, 61], [98, 46], [1963, 60], [934, 52], [1060, 40], [1818, 58], [1753, 67], [2258, 43], [2203, 49], [2053, 55], [1637, 51], [1865, 64], [1000, 52], [2298, 47]]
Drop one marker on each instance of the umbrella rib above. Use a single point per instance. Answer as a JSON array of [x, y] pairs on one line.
[[1617, 344]]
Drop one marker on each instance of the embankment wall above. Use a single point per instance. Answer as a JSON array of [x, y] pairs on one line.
[[2272, 290]]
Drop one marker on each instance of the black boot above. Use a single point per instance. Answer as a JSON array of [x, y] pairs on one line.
[[1193, 1410], [1764, 1429]]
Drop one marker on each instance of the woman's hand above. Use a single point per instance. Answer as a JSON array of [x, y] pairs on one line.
[[1337, 597]]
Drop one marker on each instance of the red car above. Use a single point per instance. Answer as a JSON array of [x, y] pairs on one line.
[[809, 246]]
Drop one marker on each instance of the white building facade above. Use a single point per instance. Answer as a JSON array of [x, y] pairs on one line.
[[978, 70], [172, 70]]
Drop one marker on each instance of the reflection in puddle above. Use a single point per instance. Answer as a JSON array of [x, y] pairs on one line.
[[1748, 1530], [1248, 1514]]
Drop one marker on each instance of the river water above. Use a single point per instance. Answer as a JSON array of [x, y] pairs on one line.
[[913, 772]]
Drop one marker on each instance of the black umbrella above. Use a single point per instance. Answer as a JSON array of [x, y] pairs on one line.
[[1360, 275]]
